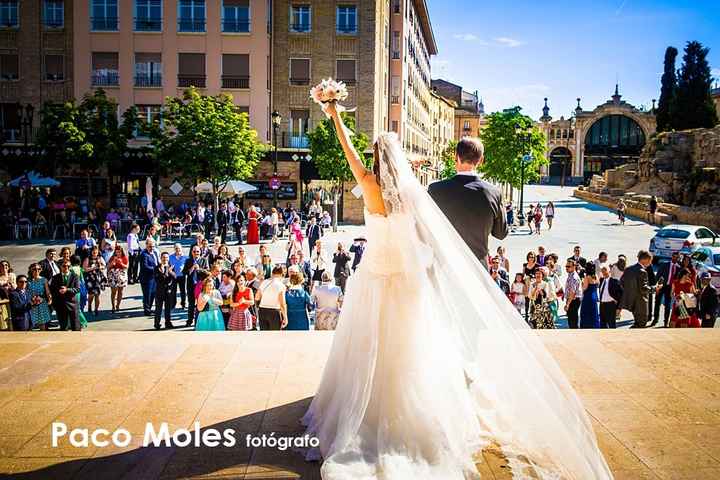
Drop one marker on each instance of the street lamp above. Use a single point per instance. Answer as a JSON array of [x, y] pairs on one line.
[[524, 137], [276, 119]]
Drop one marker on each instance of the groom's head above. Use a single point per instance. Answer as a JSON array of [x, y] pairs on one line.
[[468, 154]]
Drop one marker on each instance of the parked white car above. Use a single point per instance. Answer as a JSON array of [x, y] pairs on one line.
[[681, 238], [707, 259]]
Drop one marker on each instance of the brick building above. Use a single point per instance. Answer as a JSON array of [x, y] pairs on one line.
[[470, 111]]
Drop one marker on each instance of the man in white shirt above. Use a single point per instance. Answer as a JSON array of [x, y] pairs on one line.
[[271, 295], [610, 294]]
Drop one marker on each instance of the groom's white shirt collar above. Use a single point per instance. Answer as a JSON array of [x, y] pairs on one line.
[[469, 173]]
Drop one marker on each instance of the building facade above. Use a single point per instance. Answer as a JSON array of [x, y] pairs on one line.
[[715, 94], [470, 111], [592, 141], [36, 59], [442, 115]]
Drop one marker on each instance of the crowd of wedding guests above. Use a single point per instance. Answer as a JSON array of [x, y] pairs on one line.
[[220, 290], [592, 293]]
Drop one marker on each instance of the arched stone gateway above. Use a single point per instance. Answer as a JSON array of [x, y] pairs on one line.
[[612, 134], [560, 168], [611, 141]]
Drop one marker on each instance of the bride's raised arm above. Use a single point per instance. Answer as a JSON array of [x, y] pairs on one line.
[[353, 157]]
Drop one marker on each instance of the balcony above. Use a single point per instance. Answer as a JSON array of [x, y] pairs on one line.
[[188, 25], [106, 79], [300, 27], [104, 24], [236, 26], [235, 82], [53, 24], [299, 81], [148, 81], [293, 140], [395, 99], [348, 81], [11, 135], [187, 81], [145, 24], [9, 24], [396, 55]]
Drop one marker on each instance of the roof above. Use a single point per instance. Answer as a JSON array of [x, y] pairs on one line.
[[424, 17], [446, 100]]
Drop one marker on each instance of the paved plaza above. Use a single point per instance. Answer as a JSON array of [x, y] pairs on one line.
[[653, 395], [577, 223]]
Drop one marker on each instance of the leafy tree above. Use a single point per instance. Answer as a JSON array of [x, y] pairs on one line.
[[448, 160], [207, 139], [329, 157], [88, 136], [667, 90], [692, 106], [504, 148]]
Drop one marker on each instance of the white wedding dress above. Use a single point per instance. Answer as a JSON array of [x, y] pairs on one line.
[[431, 363]]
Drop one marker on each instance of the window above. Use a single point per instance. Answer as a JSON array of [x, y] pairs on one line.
[[54, 13], [466, 125], [299, 126], [104, 15], [9, 14], [148, 70], [396, 6], [704, 233], [105, 70], [148, 15], [346, 71], [235, 71], [243, 109], [396, 45], [9, 67], [191, 16], [300, 18], [236, 16], [54, 68], [148, 115], [300, 71], [347, 19], [191, 70], [395, 126], [10, 122]]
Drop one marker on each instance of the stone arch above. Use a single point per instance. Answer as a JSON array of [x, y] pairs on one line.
[[560, 157]]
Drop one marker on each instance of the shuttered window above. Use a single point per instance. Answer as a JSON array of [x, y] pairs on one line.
[[300, 71], [9, 67], [346, 71], [236, 71], [191, 70], [54, 68]]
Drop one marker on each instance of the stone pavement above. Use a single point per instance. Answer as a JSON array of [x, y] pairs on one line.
[[654, 398]]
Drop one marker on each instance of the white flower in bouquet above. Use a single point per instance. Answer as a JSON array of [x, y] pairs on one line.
[[328, 90]]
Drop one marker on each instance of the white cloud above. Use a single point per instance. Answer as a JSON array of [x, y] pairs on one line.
[[468, 37], [508, 42]]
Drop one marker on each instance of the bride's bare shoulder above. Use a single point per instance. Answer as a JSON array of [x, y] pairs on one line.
[[372, 195]]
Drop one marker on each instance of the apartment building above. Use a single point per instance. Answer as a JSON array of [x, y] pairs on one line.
[[412, 44], [470, 111], [142, 51], [36, 57], [442, 114]]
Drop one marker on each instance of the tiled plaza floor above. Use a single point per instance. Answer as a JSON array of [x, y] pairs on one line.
[[654, 397]]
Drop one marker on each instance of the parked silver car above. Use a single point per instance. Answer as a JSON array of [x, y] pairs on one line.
[[707, 259], [680, 238]]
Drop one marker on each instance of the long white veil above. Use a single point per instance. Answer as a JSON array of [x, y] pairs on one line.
[[523, 401]]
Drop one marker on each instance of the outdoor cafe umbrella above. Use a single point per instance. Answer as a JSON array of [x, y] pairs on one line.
[[233, 187], [33, 179]]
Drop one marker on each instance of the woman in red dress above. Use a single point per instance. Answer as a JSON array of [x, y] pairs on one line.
[[240, 317], [253, 233], [683, 284]]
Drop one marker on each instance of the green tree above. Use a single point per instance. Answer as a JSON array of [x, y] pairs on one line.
[[448, 160], [667, 90], [207, 139], [329, 157], [88, 135], [692, 106], [504, 148]]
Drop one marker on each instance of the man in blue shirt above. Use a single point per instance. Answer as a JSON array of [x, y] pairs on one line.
[[177, 261], [149, 259]]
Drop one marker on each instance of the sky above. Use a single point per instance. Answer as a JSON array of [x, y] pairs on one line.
[[517, 53]]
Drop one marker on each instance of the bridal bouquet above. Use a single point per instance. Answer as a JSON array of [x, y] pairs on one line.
[[328, 91]]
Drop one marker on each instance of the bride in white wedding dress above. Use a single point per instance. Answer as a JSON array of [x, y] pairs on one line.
[[430, 363]]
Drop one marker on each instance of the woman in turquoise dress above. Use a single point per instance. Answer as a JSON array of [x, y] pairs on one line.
[[82, 295], [298, 301], [208, 304], [40, 294]]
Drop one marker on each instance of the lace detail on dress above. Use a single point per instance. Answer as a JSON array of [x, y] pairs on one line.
[[388, 177]]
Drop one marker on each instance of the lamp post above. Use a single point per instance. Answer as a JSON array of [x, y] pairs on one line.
[[524, 137], [26, 121], [276, 119]]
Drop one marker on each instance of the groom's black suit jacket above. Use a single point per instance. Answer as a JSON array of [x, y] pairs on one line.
[[475, 209]]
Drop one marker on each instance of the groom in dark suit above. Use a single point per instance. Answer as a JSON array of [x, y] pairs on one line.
[[473, 206]]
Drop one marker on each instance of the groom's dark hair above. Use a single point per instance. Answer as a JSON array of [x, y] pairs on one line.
[[469, 150]]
